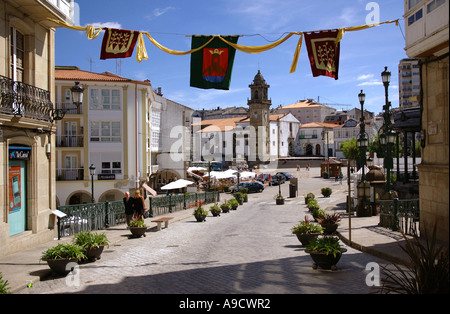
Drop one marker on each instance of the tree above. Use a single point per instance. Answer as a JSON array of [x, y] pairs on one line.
[[350, 149]]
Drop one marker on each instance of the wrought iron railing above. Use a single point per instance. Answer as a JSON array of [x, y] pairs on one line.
[[100, 216], [20, 99], [70, 174], [400, 215], [69, 141]]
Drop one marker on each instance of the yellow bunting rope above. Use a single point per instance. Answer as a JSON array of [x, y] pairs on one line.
[[93, 33]]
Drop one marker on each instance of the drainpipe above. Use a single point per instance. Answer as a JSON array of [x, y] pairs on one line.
[[136, 131]]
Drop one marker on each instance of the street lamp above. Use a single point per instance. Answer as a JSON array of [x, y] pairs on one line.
[[77, 98], [388, 137], [92, 172], [77, 94], [363, 141]]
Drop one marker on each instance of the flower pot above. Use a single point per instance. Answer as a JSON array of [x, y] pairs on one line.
[[200, 218], [234, 207], [325, 261], [241, 201], [138, 232], [61, 266], [306, 238], [279, 201], [329, 228], [225, 209], [94, 253], [215, 213]]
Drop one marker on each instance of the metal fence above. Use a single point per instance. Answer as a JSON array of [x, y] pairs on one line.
[[99, 216], [400, 215]]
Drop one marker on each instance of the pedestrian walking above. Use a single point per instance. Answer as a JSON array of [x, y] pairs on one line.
[[298, 167], [128, 201], [139, 205], [341, 176]]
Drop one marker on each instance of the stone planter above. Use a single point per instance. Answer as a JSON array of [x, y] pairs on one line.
[[279, 201], [200, 218], [138, 232], [94, 253], [329, 229], [325, 261], [61, 266], [306, 238]]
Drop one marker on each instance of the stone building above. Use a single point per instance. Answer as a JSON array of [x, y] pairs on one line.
[[427, 39], [27, 141]]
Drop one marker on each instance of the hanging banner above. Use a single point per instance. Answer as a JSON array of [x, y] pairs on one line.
[[118, 43], [211, 67], [323, 52]]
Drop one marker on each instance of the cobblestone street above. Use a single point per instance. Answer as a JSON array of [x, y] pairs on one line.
[[247, 251]]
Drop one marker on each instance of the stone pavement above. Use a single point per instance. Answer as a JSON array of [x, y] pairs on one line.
[[25, 267]]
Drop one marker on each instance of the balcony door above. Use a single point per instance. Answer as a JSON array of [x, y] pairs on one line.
[[70, 134], [71, 167]]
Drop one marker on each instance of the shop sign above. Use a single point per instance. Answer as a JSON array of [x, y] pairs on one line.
[[19, 153]]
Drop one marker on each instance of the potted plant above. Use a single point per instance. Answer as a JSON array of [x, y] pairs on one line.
[[308, 197], [325, 252], [215, 210], [239, 197], [200, 213], [329, 222], [312, 204], [316, 213], [138, 228], [59, 256], [326, 192], [279, 199], [244, 192], [233, 204], [306, 231], [225, 207], [92, 243]]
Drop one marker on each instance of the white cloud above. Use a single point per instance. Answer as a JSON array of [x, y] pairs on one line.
[[106, 24], [365, 77], [371, 83], [158, 12]]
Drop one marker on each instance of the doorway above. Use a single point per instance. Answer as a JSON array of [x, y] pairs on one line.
[[17, 209]]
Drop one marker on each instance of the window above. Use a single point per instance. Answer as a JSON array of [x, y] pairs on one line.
[[415, 17], [111, 167], [17, 55], [105, 131], [413, 3], [434, 4], [104, 99]]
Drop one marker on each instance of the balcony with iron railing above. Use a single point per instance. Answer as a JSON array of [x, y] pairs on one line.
[[70, 174], [69, 108], [24, 100], [69, 141]]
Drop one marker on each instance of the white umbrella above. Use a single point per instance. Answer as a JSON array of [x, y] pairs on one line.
[[222, 175], [247, 174], [179, 184]]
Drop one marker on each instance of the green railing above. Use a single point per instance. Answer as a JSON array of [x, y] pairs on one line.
[[400, 215], [100, 216]]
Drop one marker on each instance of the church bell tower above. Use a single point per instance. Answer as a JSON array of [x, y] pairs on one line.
[[259, 113]]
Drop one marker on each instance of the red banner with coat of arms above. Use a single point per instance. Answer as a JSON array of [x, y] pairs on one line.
[[118, 43], [323, 52]]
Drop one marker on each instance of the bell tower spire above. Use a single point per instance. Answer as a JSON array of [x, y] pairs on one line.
[[259, 112]]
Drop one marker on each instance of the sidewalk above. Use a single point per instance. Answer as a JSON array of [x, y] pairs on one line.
[[25, 267]]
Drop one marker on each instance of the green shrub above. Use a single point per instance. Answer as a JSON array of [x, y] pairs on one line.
[[88, 239], [326, 192], [3, 285], [64, 251]]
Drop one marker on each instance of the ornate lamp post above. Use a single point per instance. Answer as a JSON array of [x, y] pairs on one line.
[[92, 172], [363, 141], [388, 137], [77, 94]]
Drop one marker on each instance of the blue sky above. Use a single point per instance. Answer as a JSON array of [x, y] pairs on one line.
[[364, 54]]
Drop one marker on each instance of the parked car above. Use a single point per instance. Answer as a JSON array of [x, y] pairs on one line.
[[287, 175], [251, 186], [261, 179], [277, 179]]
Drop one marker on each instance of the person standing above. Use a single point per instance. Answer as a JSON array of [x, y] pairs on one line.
[[128, 201], [139, 205]]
